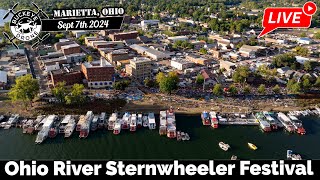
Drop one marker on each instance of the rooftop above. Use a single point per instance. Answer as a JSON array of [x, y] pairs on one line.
[[70, 46], [140, 59], [3, 76], [95, 64]]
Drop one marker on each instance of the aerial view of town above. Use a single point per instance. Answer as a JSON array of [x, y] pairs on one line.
[[181, 79]]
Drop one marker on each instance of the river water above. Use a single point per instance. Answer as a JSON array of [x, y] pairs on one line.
[[2, 13], [147, 144]]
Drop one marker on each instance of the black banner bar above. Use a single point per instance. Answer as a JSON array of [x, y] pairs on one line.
[[73, 24], [152, 167]]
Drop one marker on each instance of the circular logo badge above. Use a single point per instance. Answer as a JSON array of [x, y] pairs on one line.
[[25, 25]]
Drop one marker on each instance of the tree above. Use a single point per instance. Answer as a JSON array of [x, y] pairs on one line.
[[296, 88], [25, 90], [60, 91], [283, 60], [293, 86], [233, 90], [241, 74], [247, 90], [59, 36], [317, 83], [317, 35], [307, 66], [203, 51], [262, 89], [306, 84], [76, 96], [217, 90], [160, 77], [303, 34], [121, 85], [167, 85], [302, 51], [89, 58], [149, 82], [276, 89], [199, 79]]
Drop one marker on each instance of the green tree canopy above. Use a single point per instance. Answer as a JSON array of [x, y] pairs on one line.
[[262, 89], [25, 89], [276, 89], [203, 51], [233, 90], [89, 58], [307, 66], [199, 79], [241, 74], [60, 91], [149, 82], [217, 90], [283, 60], [317, 83], [247, 89], [302, 51], [306, 84], [76, 95], [168, 83]]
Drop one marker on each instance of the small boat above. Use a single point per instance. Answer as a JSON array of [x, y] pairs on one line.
[[139, 121], [297, 124], [94, 123], [86, 125], [214, 120], [163, 123], [112, 120], [292, 156], [145, 121], [205, 118], [183, 136], [117, 127], [187, 137], [151, 121], [102, 120], [70, 128], [64, 123], [26, 125], [12, 121], [234, 157], [43, 134], [125, 121], [224, 146], [252, 146], [54, 130], [133, 123], [179, 136]]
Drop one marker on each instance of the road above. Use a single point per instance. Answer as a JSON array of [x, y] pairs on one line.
[[30, 62], [36, 70]]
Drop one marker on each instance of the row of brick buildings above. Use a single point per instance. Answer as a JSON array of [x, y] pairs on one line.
[[97, 74]]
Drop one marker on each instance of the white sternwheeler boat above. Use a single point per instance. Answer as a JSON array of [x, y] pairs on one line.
[[70, 127], [12, 121], [112, 120], [133, 122], [43, 134]]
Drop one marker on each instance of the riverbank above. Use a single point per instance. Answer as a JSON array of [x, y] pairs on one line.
[[157, 102]]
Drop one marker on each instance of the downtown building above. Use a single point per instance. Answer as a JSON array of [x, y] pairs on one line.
[[99, 74], [139, 68]]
